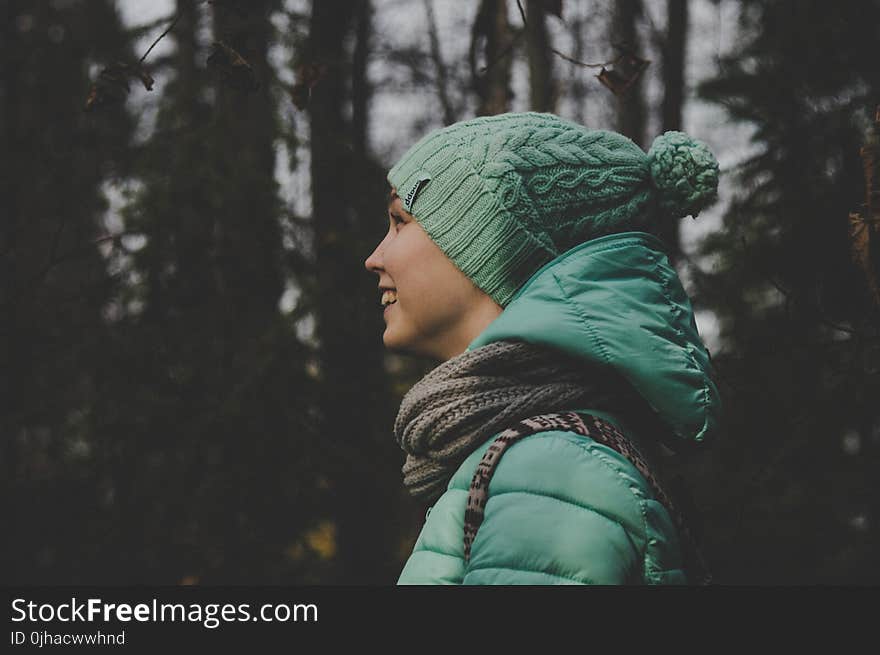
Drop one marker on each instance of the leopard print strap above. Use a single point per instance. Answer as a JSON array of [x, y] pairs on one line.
[[599, 430]]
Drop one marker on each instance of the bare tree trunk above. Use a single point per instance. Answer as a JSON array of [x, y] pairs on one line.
[[492, 85], [440, 74], [542, 89], [673, 63], [360, 87], [361, 459], [247, 127], [185, 90], [630, 105], [673, 100], [185, 58], [578, 89]]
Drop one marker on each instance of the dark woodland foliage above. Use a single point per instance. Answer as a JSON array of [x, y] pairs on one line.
[[793, 496], [164, 421]]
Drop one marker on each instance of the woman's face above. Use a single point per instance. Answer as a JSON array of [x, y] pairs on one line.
[[439, 311]]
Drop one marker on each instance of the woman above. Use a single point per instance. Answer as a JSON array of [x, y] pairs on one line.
[[518, 254]]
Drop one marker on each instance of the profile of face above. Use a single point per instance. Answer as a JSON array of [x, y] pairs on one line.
[[439, 310]]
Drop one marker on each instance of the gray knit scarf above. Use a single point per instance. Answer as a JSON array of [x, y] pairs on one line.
[[462, 402]]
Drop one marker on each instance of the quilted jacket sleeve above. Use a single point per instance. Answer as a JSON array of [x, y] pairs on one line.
[[438, 554], [562, 509]]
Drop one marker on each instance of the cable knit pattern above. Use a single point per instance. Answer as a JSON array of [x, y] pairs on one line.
[[503, 195], [684, 171]]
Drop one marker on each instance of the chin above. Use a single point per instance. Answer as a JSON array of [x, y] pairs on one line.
[[391, 342], [402, 346], [396, 346]]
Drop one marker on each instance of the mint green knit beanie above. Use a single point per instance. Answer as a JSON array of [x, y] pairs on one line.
[[503, 195]]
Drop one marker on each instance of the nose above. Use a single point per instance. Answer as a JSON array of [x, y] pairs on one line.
[[373, 263]]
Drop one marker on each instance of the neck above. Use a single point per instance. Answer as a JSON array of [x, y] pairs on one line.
[[482, 316]]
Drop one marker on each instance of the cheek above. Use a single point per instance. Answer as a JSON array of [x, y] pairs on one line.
[[441, 286], [424, 276], [405, 258]]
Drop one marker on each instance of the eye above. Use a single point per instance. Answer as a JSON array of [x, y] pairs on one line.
[[397, 220]]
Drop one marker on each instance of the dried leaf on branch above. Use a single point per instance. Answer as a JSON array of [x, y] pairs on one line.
[[625, 71], [114, 83]]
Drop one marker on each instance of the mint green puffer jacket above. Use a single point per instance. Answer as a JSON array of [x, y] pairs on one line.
[[562, 508]]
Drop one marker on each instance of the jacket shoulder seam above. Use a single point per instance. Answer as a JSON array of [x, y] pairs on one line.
[[572, 306]]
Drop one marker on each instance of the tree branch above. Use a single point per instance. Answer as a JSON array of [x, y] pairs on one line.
[[167, 30], [569, 58], [161, 36], [448, 112]]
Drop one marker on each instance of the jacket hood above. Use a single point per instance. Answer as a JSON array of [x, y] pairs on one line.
[[616, 301]]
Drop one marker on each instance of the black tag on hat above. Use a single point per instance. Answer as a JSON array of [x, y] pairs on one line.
[[410, 196]]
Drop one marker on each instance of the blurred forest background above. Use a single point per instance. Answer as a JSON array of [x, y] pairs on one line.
[[194, 385]]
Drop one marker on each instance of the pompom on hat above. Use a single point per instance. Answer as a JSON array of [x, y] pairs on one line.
[[503, 195]]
